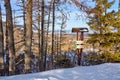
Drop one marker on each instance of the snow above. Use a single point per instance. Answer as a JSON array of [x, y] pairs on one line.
[[107, 71]]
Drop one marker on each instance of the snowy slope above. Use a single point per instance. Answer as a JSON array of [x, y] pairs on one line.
[[107, 71]]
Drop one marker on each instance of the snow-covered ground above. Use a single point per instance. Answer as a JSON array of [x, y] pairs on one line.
[[107, 71]]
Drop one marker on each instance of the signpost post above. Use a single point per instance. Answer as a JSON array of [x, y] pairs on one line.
[[78, 44]]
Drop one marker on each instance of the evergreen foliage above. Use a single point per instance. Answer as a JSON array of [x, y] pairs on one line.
[[105, 25], [100, 22], [94, 58]]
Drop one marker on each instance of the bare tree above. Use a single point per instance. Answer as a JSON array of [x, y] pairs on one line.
[[6, 51], [24, 21], [10, 36], [39, 36], [48, 23], [53, 27], [28, 41], [1, 46], [42, 37], [23, 3]]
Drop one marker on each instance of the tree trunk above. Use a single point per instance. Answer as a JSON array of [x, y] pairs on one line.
[[28, 42], [39, 48], [23, 3], [42, 37], [10, 37], [1, 46], [46, 45], [24, 23], [52, 55], [6, 51]]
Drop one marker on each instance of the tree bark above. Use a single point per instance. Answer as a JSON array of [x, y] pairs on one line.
[[10, 37], [1, 46], [28, 42], [6, 51], [46, 45], [53, 23], [24, 22], [23, 3], [42, 38], [39, 37]]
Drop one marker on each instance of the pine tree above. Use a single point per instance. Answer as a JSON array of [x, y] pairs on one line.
[[117, 28], [100, 22]]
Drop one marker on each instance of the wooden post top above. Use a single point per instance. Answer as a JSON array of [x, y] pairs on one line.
[[80, 29]]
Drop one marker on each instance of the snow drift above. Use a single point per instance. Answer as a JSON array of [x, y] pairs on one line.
[[107, 71]]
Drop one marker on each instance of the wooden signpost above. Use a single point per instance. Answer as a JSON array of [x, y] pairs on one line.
[[78, 44]]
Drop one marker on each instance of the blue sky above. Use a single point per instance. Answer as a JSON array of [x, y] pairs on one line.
[[74, 21], [82, 22]]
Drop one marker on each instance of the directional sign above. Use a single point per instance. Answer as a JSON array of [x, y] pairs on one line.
[[78, 42]]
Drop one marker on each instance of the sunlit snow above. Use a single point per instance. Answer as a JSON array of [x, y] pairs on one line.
[[107, 71]]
